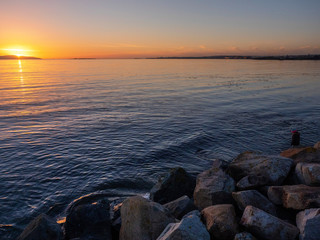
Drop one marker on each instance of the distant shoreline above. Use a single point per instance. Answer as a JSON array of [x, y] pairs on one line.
[[223, 57], [286, 57]]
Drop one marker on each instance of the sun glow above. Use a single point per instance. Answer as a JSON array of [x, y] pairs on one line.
[[17, 51]]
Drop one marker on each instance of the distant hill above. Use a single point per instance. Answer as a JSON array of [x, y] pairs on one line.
[[16, 57], [286, 57]]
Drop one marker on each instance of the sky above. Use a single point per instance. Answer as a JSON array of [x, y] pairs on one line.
[[153, 28]]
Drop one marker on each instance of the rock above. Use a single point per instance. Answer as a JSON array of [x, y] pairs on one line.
[[89, 221], [297, 197], [250, 182], [255, 199], [180, 207], [214, 186], [42, 227], [143, 219], [317, 145], [304, 154], [267, 170], [244, 236], [174, 185], [308, 173], [308, 222], [266, 226], [190, 228], [220, 221]]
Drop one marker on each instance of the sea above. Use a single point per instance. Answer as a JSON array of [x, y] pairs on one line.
[[69, 128]]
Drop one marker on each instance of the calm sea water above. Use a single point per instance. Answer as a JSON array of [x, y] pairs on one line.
[[73, 127]]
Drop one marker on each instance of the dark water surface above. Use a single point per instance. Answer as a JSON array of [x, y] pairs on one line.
[[73, 127]]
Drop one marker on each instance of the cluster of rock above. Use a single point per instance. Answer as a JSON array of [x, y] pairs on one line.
[[254, 197]]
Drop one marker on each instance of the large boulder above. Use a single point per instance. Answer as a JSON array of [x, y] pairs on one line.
[[174, 185], [317, 145], [266, 226], [143, 219], [308, 222], [190, 228], [42, 227], [255, 199], [214, 186], [308, 173], [87, 221], [297, 197], [220, 221], [262, 169], [244, 236], [303, 154], [180, 206]]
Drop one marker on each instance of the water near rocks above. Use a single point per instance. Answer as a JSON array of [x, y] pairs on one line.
[[74, 127]]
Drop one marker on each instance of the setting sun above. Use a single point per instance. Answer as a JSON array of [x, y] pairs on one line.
[[17, 51]]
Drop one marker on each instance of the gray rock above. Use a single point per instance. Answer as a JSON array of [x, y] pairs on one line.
[[88, 221], [263, 169], [42, 227], [189, 228], [220, 221], [251, 182], [175, 184], [143, 219], [266, 226], [214, 186], [308, 222], [255, 199], [297, 197], [244, 236], [308, 173], [180, 206]]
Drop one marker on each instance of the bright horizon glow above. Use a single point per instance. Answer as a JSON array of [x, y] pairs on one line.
[[16, 51], [140, 28]]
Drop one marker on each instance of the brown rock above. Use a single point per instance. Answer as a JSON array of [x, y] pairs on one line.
[[213, 186], [304, 154], [143, 219], [266, 226], [297, 197], [220, 221]]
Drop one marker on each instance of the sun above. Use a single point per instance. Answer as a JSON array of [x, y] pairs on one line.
[[17, 51]]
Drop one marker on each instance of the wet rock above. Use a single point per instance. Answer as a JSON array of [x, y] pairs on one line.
[[268, 170], [266, 226], [180, 206], [42, 227], [297, 197], [189, 228], [89, 221], [255, 199], [308, 173], [174, 185], [213, 186], [317, 145], [304, 154], [220, 221], [143, 219], [308, 222], [244, 236]]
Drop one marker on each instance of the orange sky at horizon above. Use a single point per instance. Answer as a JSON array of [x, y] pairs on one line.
[[96, 29]]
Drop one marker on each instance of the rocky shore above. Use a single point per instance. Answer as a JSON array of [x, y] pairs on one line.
[[256, 196]]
